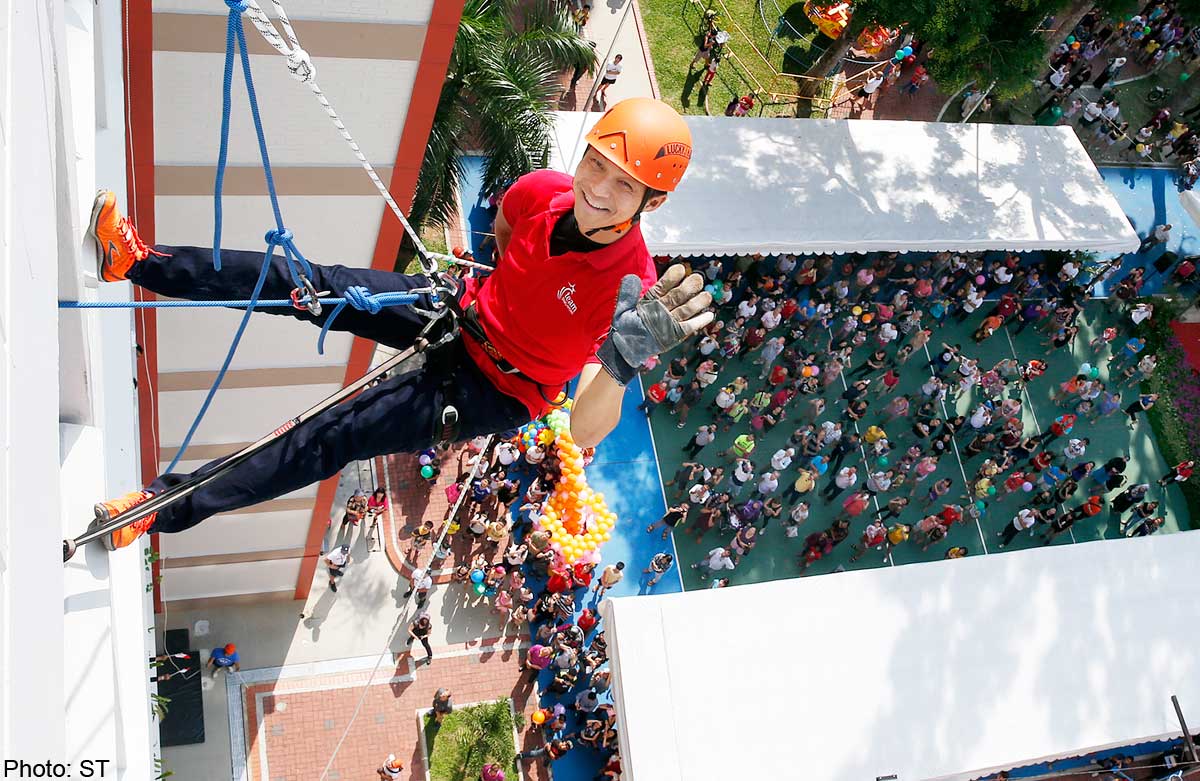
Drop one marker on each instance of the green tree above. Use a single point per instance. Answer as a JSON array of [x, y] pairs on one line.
[[998, 40], [470, 738], [498, 96]]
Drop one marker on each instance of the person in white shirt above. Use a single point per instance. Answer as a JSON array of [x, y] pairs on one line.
[[1058, 76], [887, 334], [698, 494], [336, 561], [782, 458], [771, 319], [1002, 275], [743, 472], [611, 72], [725, 398], [717, 560], [973, 301], [535, 454], [786, 264], [712, 270], [846, 477], [980, 417], [507, 453], [768, 484], [747, 308], [880, 482], [1076, 448], [392, 768], [1111, 111], [797, 516], [420, 582], [708, 345], [832, 432], [516, 554], [1141, 312], [1025, 519], [871, 86]]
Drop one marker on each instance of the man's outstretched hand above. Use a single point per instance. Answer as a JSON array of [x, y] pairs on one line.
[[644, 325]]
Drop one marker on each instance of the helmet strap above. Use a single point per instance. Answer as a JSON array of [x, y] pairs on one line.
[[621, 227]]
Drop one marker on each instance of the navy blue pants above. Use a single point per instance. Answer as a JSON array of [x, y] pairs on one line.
[[395, 416]]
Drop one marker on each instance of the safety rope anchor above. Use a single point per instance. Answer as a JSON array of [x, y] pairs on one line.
[[306, 296]]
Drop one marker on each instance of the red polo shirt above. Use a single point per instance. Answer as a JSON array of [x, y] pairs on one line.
[[548, 315]]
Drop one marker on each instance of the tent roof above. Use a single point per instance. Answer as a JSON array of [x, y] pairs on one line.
[[805, 185], [927, 671]]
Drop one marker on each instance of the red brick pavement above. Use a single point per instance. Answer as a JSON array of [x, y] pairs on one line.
[[301, 719], [890, 102], [412, 500]]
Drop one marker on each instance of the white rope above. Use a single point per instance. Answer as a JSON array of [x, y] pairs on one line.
[[300, 65], [477, 470]]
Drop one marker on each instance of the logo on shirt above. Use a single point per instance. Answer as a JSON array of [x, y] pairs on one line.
[[564, 294]]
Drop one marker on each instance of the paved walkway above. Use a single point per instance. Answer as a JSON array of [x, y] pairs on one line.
[[295, 716], [615, 26], [890, 102]]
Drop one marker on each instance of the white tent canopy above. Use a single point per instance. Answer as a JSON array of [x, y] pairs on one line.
[[928, 671], [772, 186]]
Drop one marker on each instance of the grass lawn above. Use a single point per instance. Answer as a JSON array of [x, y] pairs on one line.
[[1175, 416], [468, 739], [672, 28], [434, 240]]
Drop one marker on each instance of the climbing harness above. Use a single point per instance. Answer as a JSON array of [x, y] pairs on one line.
[[424, 344]]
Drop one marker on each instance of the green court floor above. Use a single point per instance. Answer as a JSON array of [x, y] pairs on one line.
[[775, 556]]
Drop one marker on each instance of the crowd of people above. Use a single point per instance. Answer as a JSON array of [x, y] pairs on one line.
[[821, 346], [1085, 66], [509, 564], [825, 348]]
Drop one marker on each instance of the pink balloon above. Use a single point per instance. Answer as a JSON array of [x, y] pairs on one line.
[[1027, 486], [979, 280], [424, 460]]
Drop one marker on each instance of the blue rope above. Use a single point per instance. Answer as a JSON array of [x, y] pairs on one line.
[[363, 300], [280, 237], [382, 299], [298, 266]]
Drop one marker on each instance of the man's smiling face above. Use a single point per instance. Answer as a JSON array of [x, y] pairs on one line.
[[605, 195]]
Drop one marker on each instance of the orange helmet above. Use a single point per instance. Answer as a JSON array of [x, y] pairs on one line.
[[646, 139], [230, 648]]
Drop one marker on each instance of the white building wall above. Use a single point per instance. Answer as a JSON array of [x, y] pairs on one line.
[[334, 221], [224, 580], [78, 688]]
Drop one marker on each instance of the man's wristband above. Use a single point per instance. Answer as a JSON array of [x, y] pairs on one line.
[[616, 365]]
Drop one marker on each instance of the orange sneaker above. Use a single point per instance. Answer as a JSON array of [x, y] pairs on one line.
[[118, 245], [106, 511]]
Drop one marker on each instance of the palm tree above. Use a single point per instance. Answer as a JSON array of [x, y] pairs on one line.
[[499, 91], [484, 735]]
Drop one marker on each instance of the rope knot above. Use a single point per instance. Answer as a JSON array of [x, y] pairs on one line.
[[278, 236], [361, 298], [236, 5], [301, 66]]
